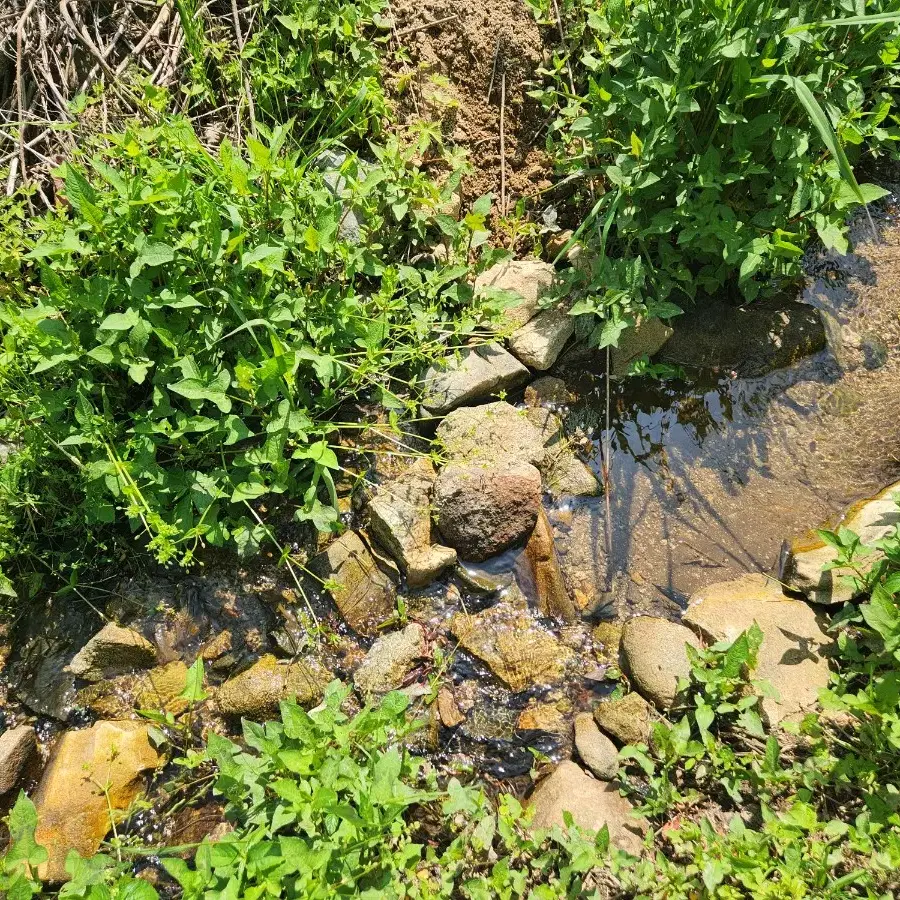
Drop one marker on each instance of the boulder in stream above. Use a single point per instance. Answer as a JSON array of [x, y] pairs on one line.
[[112, 651], [800, 567], [18, 747], [655, 656], [256, 693], [73, 809], [530, 279], [389, 660], [539, 342], [596, 750], [627, 719]]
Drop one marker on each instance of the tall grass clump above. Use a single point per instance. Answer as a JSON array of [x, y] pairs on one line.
[[710, 139]]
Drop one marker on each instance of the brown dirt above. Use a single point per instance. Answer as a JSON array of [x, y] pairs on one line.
[[448, 77]]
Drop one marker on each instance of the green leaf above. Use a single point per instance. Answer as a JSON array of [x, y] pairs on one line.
[[120, 321], [193, 688]]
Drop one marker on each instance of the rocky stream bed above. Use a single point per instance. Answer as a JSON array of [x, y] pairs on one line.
[[476, 571]]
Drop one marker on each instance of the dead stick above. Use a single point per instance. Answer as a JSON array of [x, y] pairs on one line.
[[412, 28], [20, 35], [503, 142]]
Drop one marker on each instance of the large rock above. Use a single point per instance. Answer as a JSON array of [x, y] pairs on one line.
[[626, 719], [363, 594], [257, 692], [515, 648], [550, 586], [591, 803], [792, 656], [483, 510], [596, 750], [400, 519], [73, 808], [112, 651], [17, 749], [802, 559], [655, 656], [647, 338], [566, 475], [389, 660], [475, 373], [539, 342], [530, 279], [751, 340]]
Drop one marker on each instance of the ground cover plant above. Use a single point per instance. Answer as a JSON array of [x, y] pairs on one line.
[[707, 141]]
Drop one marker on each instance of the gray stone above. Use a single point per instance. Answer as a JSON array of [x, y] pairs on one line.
[[626, 719], [389, 660], [800, 567], [483, 510], [330, 163], [792, 657], [655, 656], [531, 279], [257, 692], [112, 651], [477, 372], [591, 803], [363, 594], [596, 750], [400, 519], [17, 749], [539, 342], [647, 338]]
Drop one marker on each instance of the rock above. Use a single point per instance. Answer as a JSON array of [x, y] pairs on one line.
[[448, 711], [539, 343], [800, 567], [330, 162], [161, 688], [217, 646], [547, 391], [112, 698], [389, 660], [531, 279], [655, 656], [257, 692], [476, 372], [566, 475], [492, 433], [112, 651], [592, 804], [518, 651], [752, 340], [607, 637], [792, 656], [400, 519], [542, 717], [626, 719], [645, 339], [17, 749], [550, 586], [73, 809], [853, 349], [483, 510], [596, 750], [361, 591]]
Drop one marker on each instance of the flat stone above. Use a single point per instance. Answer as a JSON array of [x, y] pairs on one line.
[[596, 750], [655, 656], [800, 567], [73, 809], [483, 510], [389, 660], [256, 693], [400, 520], [547, 391], [18, 747], [476, 372], [514, 647], [591, 803], [531, 279], [543, 717], [792, 657], [549, 585], [647, 338], [448, 710], [112, 651], [363, 594], [539, 343], [626, 719]]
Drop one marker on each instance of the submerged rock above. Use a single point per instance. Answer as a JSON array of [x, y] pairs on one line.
[[800, 567], [543, 717], [626, 719], [73, 809], [18, 748], [160, 689], [547, 391], [477, 372], [400, 519], [257, 693], [389, 660], [596, 750], [655, 656], [550, 586], [448, 710], [592, 804], [607, 638], [515, 648], [645, 339], [483, 510], [531, 279], [792, 657], [112, 651], [363, 594], [539, 342]]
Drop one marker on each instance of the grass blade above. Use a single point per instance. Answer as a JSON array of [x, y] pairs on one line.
[[874, 19]]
